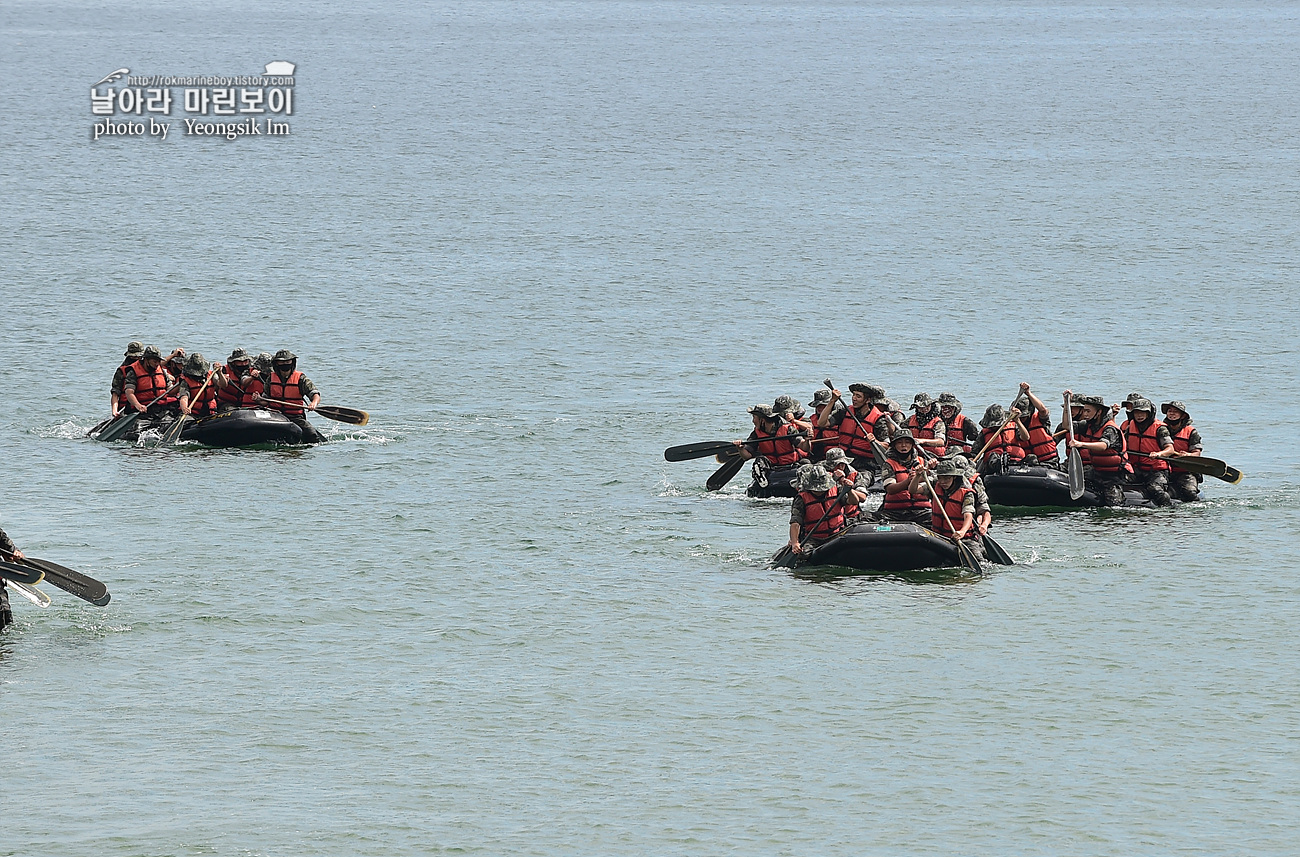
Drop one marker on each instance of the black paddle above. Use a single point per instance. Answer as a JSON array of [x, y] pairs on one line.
[[725, 474], [705, 448], [22, 574], [1200, 464], [1074, 461], [352, 416], [75, 583], [125, 422], [173, 434]]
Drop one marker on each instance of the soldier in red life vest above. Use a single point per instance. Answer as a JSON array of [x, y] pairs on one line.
[[286, 383], [973, 480], [926, 426], [1145, 434], [788, 409], [145, 384], [229, 381], [824, 437], [952, 502], [960, 431], [1101, 445], [1187, 441], [817, 511], [134, 351], [900, 504], [1005, 438], [175, 363], [1127, 405], [778, 442], [850, 481], [195, 378], [1035, 418], [862, 423]]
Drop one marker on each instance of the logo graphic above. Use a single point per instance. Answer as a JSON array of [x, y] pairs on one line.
[[109, 78], [279, 67]]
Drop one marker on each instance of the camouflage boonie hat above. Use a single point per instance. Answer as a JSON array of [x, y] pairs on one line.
[[196, 366], [835, 457], [871, 391], [901, 434], [921, 402], [950, 400], [820, 398], [237, 355], [151, 351], [994, 415], [1022, 404], [1141, 404], [949, 467], [784, 403], [764, 411], [816, 479], [1164, 409], [284, 355], [263, 362], [134, 348], [1132, 397], [1095, 401]]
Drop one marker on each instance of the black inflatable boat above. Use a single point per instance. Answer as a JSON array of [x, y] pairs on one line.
[[884, 548], [243, 427], [1035, 485]]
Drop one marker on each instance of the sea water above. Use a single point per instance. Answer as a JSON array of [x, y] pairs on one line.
[[541, 242]]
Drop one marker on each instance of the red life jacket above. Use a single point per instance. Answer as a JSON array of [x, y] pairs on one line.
[[957, 434], [1006, 441], [902, 501], [1144, 441], [207, 403], [1183, 443], [781, 450], [925, 432], [1041, 442], [149, 386], [813, 509], [952, 504], [289, 390], [1109, 461], [853, 437], [231, 394], [851, 510]]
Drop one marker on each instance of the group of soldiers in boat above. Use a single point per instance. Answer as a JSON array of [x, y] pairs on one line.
[[162, 389], [933, 461]]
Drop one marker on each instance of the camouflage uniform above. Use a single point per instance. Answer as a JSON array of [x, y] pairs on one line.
[[1109, 487], [1183, 485], [6, 614], [1154, 484]]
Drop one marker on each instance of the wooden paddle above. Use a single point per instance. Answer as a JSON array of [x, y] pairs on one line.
[[968, 559], [1073, 461], [173, 434], [352, 416], [31, 593]]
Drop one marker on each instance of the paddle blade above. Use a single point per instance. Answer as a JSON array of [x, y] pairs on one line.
[[75, 583], [31, 593], [724, 474], [19, 573], [353, 416], [993, 551], [1232, 475], [173, 433], [1199, 464], [1074, 470], [703, 449], [968, 559], [119, 426]]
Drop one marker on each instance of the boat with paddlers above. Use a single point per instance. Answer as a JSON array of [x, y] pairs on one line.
[[887, 547]]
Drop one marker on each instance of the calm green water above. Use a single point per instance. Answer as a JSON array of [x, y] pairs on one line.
[[541, 242]]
